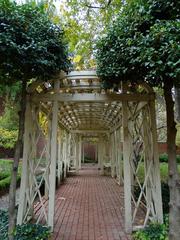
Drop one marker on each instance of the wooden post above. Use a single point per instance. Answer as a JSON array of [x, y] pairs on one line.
[[112, 155], [83, 152], [59, 173], [116, 154], [102, 153], [65, 154], [120, 158], [77, 153], [24, 174], [127, 169], [80, 151], [69, 150], [52, 176], [156, 167], [96, 152], [48, 157]]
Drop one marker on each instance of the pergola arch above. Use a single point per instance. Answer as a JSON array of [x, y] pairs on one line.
[[72, 106]]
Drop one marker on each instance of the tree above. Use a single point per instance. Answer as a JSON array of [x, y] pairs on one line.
[[31, 47], [143, 44], [84, 21]]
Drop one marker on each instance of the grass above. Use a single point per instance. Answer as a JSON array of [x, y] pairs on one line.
[[5, 174], [163, 171]]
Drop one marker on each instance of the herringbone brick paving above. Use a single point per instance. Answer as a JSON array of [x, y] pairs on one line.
[[89, 207]]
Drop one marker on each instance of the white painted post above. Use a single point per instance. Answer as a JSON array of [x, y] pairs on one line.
[[69, 150], [80, 151], [99, 153], [96, 152], [77, 153], [65, 154], [59, 173], [48, 157], [120, 158], [102, 154], [83, 152], [112, 155], [127, 169], [52, 176], [156, 167], [116, 154], [24, 175]]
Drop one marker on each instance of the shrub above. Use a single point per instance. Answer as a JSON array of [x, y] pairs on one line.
[[3, 175], [5, 183], [24, 232], [154, 231], [32, 231], [164, 158], [8, 138]]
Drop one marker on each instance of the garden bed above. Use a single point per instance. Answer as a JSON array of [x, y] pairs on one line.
[[24, 232]]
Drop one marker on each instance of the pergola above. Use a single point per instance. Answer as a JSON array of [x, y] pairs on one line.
[[73, 107]]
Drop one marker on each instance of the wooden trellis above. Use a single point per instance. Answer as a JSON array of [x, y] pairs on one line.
[[69, 108]]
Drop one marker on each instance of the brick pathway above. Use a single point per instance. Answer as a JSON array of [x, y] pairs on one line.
[[89, 207]]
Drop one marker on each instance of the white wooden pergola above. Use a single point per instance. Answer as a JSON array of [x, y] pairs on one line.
[[72, 107]]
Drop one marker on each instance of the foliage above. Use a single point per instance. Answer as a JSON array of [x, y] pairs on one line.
[[164, 158], [154, 231], [8, 138], [31, 46], [5, 183], [83, 22], [23, 232], [9, 120], [5, 174], [141, 44]]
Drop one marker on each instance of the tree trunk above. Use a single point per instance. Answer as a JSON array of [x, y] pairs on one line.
[[174, 177], [17, 155], [177, 103]]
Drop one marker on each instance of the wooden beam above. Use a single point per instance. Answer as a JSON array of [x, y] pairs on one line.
[[88, 131], [91, 97]]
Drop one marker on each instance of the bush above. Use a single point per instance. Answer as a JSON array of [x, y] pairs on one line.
[[24, 232], [8, 138], [5, 183], [154, 231], [32, 231], [164, 158], [5, 175]]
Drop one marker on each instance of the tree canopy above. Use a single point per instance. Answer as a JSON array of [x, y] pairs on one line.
[[31, 46], [83, 22], [142, 44]]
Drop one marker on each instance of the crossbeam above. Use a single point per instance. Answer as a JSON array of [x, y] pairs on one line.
[[91, 97], [88, 131]]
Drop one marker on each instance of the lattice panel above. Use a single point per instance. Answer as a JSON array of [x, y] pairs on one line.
[[141, 161], [38, 164]]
